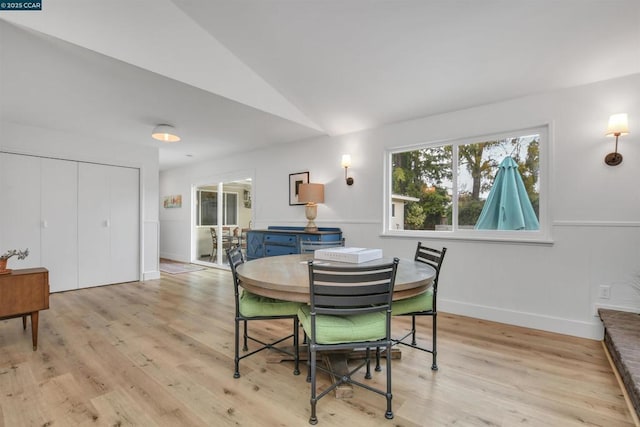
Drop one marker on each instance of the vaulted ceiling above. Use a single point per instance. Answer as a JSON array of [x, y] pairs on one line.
[[238, 75]]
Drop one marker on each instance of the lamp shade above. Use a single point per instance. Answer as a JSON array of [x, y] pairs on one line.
[[311, 193], [346, 160], [618, 125], [165, 133]]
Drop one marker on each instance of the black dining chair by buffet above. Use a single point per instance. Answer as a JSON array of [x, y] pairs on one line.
[[255, 307], [226, 241], [424, 304], [350, 309], [310, 246]]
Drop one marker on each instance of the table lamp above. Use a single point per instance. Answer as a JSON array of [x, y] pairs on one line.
[[311, 194]]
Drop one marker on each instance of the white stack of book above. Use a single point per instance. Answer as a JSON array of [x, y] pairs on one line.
[[351, 255]]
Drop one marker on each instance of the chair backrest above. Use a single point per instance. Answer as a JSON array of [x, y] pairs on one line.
[[310, 246], [346, 290], [227, 234], [235, 257], [434, 258], [214, 236]]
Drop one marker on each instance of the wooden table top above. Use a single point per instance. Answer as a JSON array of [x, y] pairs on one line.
[[286, 277]]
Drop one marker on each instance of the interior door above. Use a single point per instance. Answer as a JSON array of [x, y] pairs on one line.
[[108, 224], [20, 208], [59, 222], [125, 231], [94, 244]]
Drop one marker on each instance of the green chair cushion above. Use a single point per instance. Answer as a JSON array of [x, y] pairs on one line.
[[343, 329], [422, 302], [252, 305]]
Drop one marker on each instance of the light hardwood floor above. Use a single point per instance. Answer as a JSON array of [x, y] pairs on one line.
[[161, 353]]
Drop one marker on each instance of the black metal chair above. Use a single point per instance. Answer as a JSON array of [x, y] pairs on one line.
[[350, 308], [423, 304], [254, 307]]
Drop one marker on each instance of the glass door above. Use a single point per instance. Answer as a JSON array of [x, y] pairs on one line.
[[222, 215]]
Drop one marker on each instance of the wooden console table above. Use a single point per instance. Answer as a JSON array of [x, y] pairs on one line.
[[25, 292]]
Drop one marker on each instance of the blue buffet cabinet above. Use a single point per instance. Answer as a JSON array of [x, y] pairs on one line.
[[276, 240]]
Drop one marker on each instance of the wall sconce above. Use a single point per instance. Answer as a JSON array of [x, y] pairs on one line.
[[165, 133], [346, 162], [618, 126]]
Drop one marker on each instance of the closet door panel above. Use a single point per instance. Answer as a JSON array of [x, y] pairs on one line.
[[125, 231], [20, 208], [59, 222], [94, 246]]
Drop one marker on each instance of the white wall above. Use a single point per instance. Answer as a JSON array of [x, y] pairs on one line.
[[594, 208], [62, 145]]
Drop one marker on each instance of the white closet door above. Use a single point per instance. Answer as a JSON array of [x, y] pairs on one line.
[[125, 232], [20, 208], [108, 224], [94, 244], [59, 223]]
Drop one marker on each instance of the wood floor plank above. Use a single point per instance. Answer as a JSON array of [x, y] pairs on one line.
[[65, 402], [116, 408], [160, 353]]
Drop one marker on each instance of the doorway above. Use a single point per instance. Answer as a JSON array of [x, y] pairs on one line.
[[222, 214]]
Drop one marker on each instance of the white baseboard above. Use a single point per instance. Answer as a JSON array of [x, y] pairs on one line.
[[151, 275], [591, 330], [174, 257]]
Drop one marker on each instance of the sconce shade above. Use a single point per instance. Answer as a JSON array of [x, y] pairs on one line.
[[311, 193], [618, 125], [346, 162], [165, 133]]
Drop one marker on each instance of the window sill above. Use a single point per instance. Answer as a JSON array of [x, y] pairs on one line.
[[478, 237]]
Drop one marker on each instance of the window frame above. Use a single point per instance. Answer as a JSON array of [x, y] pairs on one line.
[[543, 235], [224, 208]]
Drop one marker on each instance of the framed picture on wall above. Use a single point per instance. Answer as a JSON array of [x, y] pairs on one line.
[[172, 201], [295, 179]]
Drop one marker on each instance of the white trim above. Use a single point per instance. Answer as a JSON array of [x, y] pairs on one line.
[[448, 235], [174, 257], [595, 223], [151, 275], [591, 330]]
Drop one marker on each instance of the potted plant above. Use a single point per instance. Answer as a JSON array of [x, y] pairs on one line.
[[5, 257]]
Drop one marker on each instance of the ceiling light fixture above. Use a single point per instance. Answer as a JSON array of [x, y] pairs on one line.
[[165, 133]]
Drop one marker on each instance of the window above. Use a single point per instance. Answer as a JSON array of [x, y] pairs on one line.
[[207, 214], [484, 187]]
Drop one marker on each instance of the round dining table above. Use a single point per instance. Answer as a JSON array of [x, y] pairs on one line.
[[286, 277]]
